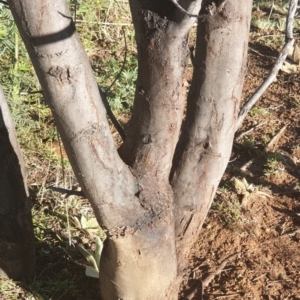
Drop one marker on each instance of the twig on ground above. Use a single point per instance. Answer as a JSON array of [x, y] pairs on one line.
[[228, 296], [242, 134], [105, 23], [275, 107], [211, 275], [74, 261], [246, 166], [290, 233], [274, 141], [61, 155], [261, 54], [260, 276], [66, 191], [271, 11], [198, 290], [289, 42]]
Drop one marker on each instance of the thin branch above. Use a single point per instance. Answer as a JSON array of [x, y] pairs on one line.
[[228, 296], [206, 281], [61, 154], [247, 165], [274, 141], [289, 42], [104, 23], [290, 20], [192, 55], [66, 191], [112, 117], [186, 12], [104, 95], [242, 134]]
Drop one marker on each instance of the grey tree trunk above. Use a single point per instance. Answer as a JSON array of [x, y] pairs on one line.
[[151, 202], [17, 249], [213, 102]]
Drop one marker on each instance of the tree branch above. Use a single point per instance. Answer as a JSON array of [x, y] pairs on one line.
[[71, 91], [158, 108], [289, 42], [205, 144], [184, 11], [66, 191], [111, 115]]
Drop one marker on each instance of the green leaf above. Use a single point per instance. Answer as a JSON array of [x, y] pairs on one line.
[[92, 223], [76, 222], [88, 256], [84, 223], [91, 272], [98, 251]]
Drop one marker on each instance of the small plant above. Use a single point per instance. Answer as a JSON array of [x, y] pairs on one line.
[[258, 111], [250, 145], [297, 187], [274, 166], [230, 210], [246, 190], [249, 142], [92, 270], [265, 139], [263, 24]]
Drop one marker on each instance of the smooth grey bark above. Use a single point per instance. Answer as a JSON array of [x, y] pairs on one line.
[[212, 107], [17, 249], [161, 36], [72, 93], [151, 222]]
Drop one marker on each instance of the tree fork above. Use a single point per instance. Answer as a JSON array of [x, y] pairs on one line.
[[134, 201], [137, 215]]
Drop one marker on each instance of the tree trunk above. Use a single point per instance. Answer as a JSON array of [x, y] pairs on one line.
[[151, 217], [17, 249], [213, 102]]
